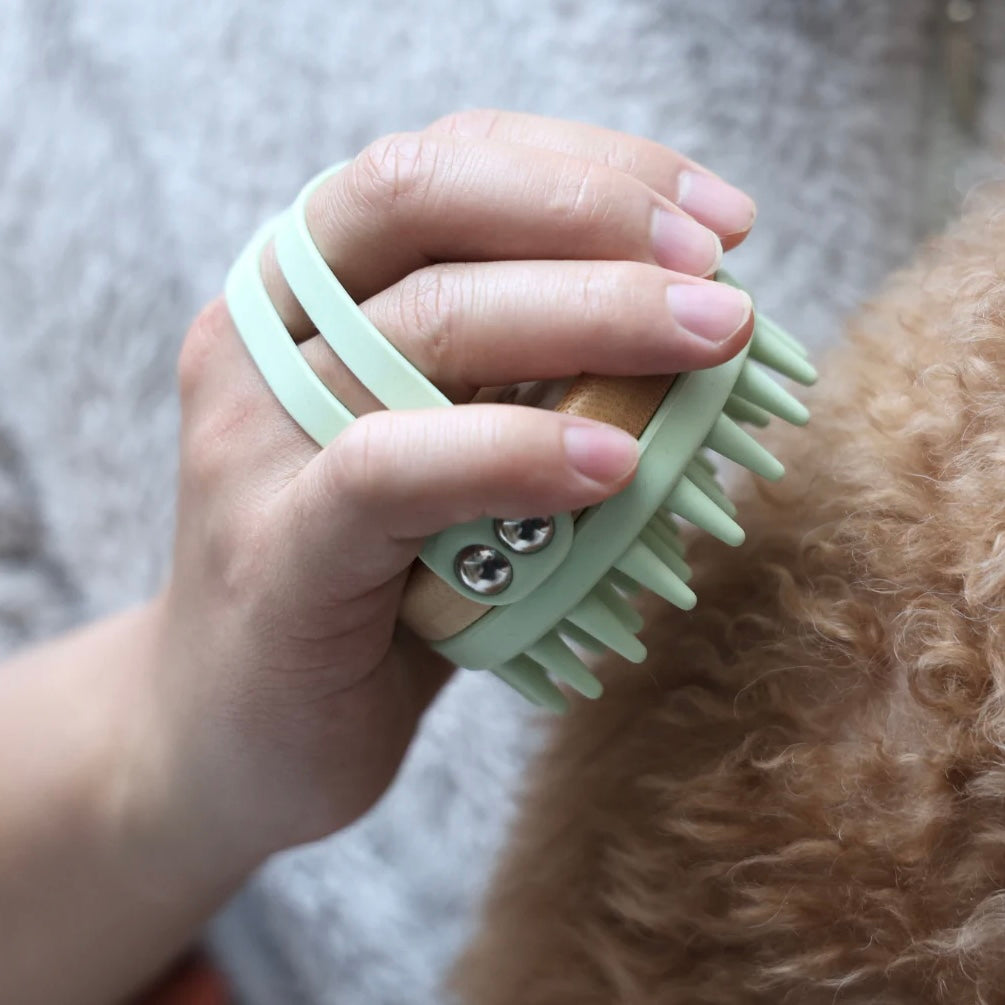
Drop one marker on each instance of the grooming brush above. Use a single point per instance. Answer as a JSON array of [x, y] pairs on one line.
[[520, 597]]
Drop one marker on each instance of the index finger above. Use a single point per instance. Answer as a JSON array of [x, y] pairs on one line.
[[721, 207]]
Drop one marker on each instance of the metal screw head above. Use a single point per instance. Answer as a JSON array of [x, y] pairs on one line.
[[528, 535], [483, 569]]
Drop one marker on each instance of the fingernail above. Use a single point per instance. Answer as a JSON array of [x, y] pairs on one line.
[[600, 452], [681, 244], [712, 311], [718, 205]]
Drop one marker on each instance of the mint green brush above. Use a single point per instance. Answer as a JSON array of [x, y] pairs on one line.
[[519, 596]]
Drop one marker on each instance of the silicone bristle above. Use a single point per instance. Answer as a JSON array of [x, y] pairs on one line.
[[652, 537], [524, 675], [584, 640], [723, 276], [728, 439], [743, 411], [642, 564], [564, 665], [710, 487], [757, 387], [768, 346], [704, 461], [690, 502], [597, 619], [631, 618], [790, 340], [668, 530], [624, 583]]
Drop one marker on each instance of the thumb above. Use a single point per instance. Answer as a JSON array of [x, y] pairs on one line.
[[358, 513]]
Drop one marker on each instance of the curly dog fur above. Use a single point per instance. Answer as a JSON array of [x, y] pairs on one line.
[[801, 797]]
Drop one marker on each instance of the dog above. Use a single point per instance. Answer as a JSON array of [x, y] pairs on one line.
[[800, 796]]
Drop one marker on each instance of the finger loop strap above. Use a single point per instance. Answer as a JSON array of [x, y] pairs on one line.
[[384, 371], [299, 389]]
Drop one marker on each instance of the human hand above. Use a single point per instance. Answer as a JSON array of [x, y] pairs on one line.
[[490, 248]]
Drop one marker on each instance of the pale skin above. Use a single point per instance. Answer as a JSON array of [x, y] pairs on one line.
[[265, 697]]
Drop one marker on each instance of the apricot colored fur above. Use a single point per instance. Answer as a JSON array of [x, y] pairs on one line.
[[800, 797]]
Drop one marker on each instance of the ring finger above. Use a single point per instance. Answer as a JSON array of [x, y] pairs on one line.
[[708, 198]]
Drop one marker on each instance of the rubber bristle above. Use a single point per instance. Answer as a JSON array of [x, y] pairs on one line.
[[652, 537], [728, 439], [629, 616], [744, 411], [704, 461], [711, 488], [691, 503], [524, 675], [668, 530], [642, 564], [605, 620], [595, 618], [790, 340], [563, 664], [576, 635], [723, 276], [760, 389], [769, 347]]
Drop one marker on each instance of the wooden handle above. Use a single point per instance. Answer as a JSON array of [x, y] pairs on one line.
[[432, 608]]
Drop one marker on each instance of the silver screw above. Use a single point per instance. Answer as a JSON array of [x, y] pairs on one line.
[[526, 536], [483, 569]]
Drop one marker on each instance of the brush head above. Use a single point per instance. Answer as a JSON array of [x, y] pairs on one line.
[[633, 541], [520, 597]]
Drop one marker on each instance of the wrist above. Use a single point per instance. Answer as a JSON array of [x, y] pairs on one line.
[[241, 788], [174, 800]]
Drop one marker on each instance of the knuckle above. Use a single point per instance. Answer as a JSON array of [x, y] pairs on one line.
[[595, 297], [200, 344], [478, 122], [430, 302], [357, 459], [582, 195], [594, 202], [623, 156], [394, 170], [634, 284], [608, 294]]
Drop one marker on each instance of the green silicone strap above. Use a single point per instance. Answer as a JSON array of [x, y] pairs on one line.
[[388, 375], [299, 389]]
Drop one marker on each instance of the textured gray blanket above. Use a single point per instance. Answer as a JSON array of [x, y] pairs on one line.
[[141, 143]]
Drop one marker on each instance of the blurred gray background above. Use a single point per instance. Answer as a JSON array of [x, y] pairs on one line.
[[140, 145]]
